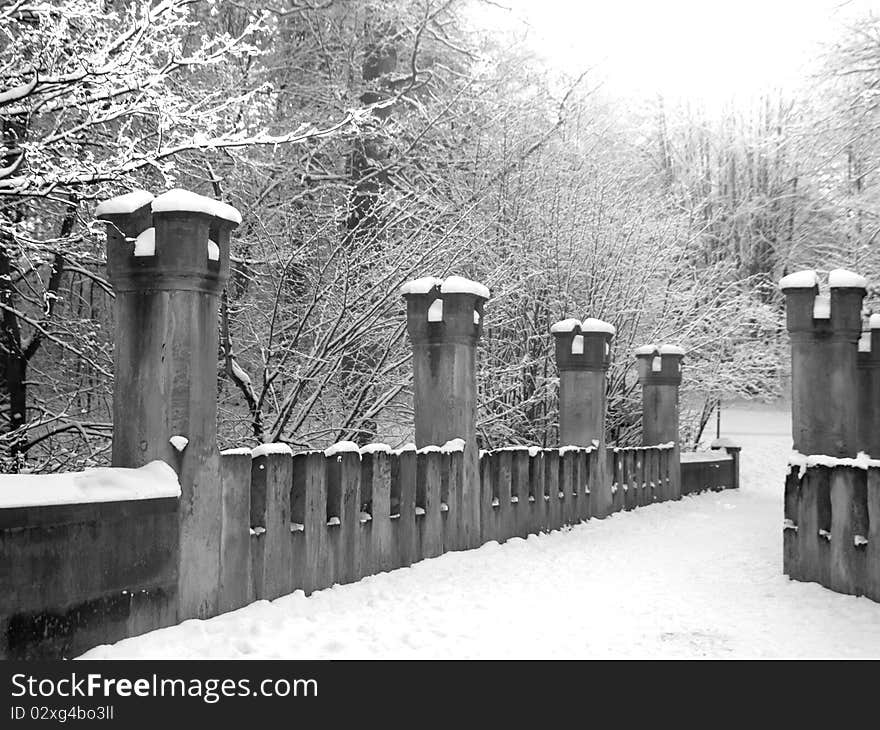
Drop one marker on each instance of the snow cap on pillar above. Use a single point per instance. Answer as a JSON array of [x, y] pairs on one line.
[[177, 241], [582, 345], [659, 364], [447, 309], [809, 310]]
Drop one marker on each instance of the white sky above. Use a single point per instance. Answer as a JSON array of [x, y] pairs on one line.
[[708, 52]]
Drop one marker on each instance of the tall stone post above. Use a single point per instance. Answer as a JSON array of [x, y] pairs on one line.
[[168, 259], [444, 321], [583, 354], [868, 365], [660, 377], [824, 334]]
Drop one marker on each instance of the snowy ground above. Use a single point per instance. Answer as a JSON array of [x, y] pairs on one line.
[[697, 578]]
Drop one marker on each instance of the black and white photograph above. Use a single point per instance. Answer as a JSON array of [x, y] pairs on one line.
[[434, 330]]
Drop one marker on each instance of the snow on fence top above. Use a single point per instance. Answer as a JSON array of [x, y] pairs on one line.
[[449, 285], [105, 484], [122, 204], [590, 324], [179, 199], [346, 447], [842, 279], [803, 461], [805, 279], [273, 448]]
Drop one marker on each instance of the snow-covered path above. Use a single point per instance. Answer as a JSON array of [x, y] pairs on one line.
[[697, 578]]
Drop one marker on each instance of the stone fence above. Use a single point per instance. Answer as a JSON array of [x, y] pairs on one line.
[[196, 532]]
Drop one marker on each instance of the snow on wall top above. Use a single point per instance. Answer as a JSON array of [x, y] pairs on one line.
[[449, 285], [696, 457], [590, 324], [105, 484], [805, 279], [179, 199], [841, 278], [121, 204]]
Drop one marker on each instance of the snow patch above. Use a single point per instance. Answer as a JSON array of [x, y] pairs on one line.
[[272, 448], [343, 447], [460, 285], [213, 251], [145, 243], [184, 200], [805, 279], [435, 311], [421, 286], [671, 350], [804, 461], [874, 322], [122, 204], [238, 450], [843, 279], [376, 449], [865, 342], [179, 442], [822, 307], [155, 480]]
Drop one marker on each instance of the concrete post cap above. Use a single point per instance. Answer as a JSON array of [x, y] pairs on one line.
[[177, 241], [589, 325], [834, 311], [582, 345], [659, 364], [450, 285], [444, 310]]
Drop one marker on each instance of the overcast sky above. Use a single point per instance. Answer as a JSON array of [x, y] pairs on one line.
[[707, 51]]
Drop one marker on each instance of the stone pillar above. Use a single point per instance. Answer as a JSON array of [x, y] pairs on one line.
[[583, 353], [444, 321], [868, 366], [660, 377], [824, 333], [168, 260]]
